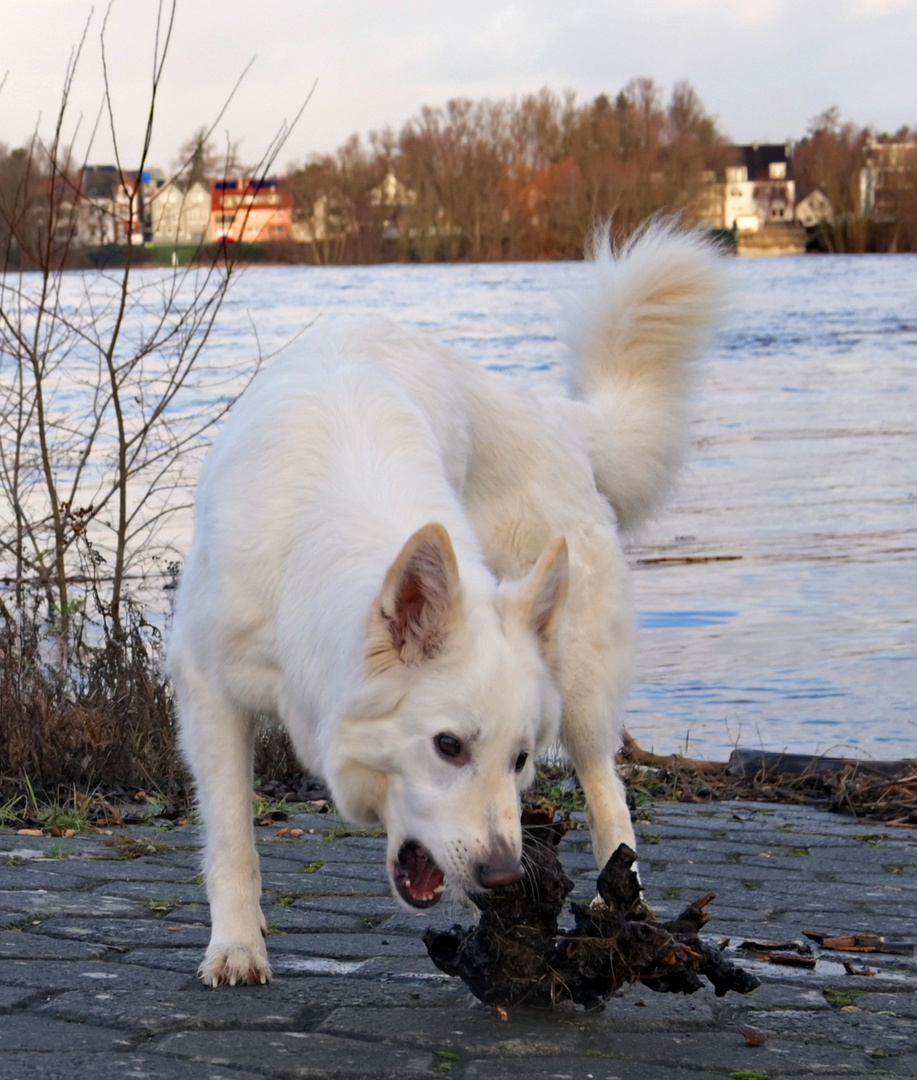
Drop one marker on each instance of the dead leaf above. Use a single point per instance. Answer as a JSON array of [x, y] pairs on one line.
[[863, 970], [752, 1035]]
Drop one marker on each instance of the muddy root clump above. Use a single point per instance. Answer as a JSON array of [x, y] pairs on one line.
[[516, 954]]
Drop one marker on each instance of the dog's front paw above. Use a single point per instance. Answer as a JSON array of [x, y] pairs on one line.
[[235, 964]]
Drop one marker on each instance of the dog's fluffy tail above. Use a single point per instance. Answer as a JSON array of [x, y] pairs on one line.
[[635, 332]]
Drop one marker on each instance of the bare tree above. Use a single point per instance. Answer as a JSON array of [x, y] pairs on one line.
[[831, 158], [200, 160], [96, 413]]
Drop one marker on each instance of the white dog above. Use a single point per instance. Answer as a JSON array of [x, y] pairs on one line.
[[414, 564]]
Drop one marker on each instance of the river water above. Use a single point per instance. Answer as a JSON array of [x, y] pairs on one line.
[[777, 590]]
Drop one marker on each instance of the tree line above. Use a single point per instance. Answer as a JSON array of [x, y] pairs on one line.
[[522, 179], [518, 179], [525, 179]]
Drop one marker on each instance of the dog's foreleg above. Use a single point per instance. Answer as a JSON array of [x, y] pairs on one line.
[[218, 743], [590, 737], [607, 813]]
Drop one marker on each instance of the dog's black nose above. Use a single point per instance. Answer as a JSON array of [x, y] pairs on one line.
[[494, 875]]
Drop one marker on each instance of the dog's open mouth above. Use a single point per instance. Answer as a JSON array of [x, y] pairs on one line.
[[418, 879]]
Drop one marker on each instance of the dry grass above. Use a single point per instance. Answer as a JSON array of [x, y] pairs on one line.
[[98, 717], [98, 728], [849, 787]]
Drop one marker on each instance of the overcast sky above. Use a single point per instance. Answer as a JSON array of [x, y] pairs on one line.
[[764, 68]]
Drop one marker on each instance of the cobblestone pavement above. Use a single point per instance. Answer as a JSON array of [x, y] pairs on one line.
[[98, 952]]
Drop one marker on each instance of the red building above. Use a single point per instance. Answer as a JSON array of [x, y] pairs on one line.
[[251, 211]]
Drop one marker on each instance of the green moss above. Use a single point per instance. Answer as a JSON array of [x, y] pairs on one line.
[[838, 998]]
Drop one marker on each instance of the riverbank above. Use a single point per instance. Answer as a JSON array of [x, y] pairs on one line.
[[862, 789]]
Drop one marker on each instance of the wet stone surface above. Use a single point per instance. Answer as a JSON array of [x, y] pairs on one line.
[[98, 956]]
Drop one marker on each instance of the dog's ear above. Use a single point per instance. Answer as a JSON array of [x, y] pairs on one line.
[[418, 601], [540, 603]]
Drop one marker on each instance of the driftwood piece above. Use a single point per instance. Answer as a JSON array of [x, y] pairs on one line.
[[516, 954], [862, 942], [743, 762], [631, 752]]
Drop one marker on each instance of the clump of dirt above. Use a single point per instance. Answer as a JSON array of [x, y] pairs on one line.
[[517, 955]]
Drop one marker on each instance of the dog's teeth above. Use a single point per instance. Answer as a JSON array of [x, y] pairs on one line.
[[439, 889]]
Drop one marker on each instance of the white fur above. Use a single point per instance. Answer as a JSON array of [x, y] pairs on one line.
[[392, 543]]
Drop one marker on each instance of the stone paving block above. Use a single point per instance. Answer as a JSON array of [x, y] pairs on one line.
[[37, 902], [319, 884], [16, 945], [898, 1004], [46, 874], [126, 933], [30, 1032], [292, 860], [290, 1004], [170, 963], [82, 873], [13, 997], [414, 923], [368, 871], [293, 919], [636, 1008], [550, 1067], [472, 1032], [10, 919], [150, 892], [419, 971], [728, 1052], [850, 1026], [305, 1055], [65, 1065], [349, 849], [54, 975], [286, 965], [305, 961], [350, 946], [83, 845], [772, 994], [376, 906], [154, 1011]]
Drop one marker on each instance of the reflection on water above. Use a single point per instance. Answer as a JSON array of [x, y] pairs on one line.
[[803, 465], [777, 590]]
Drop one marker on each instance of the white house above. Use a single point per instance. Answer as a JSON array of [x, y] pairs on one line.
[[814, 209], [177, 216], [757, 191]]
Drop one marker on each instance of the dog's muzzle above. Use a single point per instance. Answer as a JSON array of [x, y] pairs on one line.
[[417, 877]]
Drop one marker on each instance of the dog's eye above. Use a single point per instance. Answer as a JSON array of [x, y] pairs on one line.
[[449, 746], [521, 760]]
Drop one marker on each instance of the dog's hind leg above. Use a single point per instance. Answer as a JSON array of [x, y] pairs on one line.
[[218, 742]]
